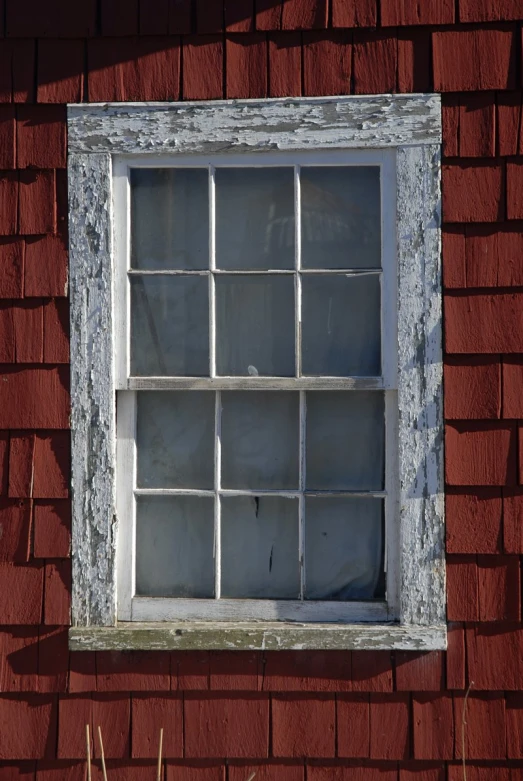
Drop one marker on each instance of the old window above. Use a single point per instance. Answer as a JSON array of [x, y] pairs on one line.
[[256, 374]]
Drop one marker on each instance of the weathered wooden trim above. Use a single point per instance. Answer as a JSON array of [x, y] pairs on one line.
[[255, 125], [262, 636], [255, 383], [422, 570], [92, 394]]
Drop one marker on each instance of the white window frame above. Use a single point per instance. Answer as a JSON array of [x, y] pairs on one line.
[[401, 134]]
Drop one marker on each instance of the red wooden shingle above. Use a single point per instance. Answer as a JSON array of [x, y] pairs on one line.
[[414, 60], [304, 14], [52, 529], [56, 331], [244, 721], [209, 16], [486, 10], [201, 771], [462, 589], [7, 137], [52, 465], [231, 670], [4, 462], [480, 59], [512, 384], [37, 202], [18, 659], [308, 671], [285, 63], [268, 14], [473, 521], [119, 17], [21, 460], [454, 257], [133, 671], [499, 588], [484, 323], [495, 656], [353, 771], [485, 727], [513, 520], [477, 125], [8, 203], [46, 266], [57, 591], [334, 51], [53, 19], [17, 71], [375, 62], [202, 67], [148, 716], [473, 192], [422, 771], [509, 123], [239, 16], [60, 71], [273, 771], [419, 671], [433, 731], [450, 110], [12, 255], [21, 591], [494, 255], [28, 325], [28, 727], [371, 671], [246, 59], [191, 670], [354, 13], [34, 398], [111, 712], [514, 196], [407, 12], [480, 455], [133, 69], [353, 725], [53, 659], [15, 530], [472, 388], [389, 726], [41, 136], [455, 656], [82, 672], [303, 726], [514, 719]]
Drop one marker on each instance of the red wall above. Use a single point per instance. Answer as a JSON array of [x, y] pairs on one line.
[[396, 717]]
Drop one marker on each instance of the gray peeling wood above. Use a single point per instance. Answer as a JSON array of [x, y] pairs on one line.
[[255, 126], [422, 585], [92, 415], [221, 636]]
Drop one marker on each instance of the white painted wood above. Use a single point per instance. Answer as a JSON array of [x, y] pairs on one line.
[[422, 576], [125, 504], [258, 636], [219, 127], [217, 501], [256, 383], [165, 609], [122, 252], [92, 391], [301, 494]]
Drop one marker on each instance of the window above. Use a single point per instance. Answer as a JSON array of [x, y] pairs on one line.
[[256, 374]]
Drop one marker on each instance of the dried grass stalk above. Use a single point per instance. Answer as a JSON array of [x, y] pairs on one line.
[[88, 745], [159, 771], [104, 770]]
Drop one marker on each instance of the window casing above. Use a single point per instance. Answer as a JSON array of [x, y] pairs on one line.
[[412, 606]]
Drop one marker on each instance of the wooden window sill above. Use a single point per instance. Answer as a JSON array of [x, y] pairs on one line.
[[256, 636]]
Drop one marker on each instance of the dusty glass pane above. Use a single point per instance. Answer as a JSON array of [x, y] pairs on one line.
[[255, 325], [255, 218], [343, 547], [345, 440], [175, 439], [341, 325], [174, 546], [260, 440], [340, 217], [169, 218], [260, 547], [169, 326]]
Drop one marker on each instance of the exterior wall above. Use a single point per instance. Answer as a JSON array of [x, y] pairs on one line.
[[397, 716]]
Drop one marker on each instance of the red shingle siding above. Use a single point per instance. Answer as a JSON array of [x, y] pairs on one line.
[[347, 716]]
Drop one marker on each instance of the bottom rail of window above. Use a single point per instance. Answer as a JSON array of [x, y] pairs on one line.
[[256, 636]]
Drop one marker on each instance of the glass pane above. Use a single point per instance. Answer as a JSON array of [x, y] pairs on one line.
[[169, 218], [260, 548], [255, 218], [255, 325], [343, 548], [260, 440], [340, 217], [341, 328], [174, 546], [169, 326], [175, 439], [345, 441]]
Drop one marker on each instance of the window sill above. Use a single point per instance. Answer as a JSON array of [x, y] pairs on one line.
[[256, 636]]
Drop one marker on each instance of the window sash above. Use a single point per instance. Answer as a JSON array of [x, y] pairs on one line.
[[139, 608]]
